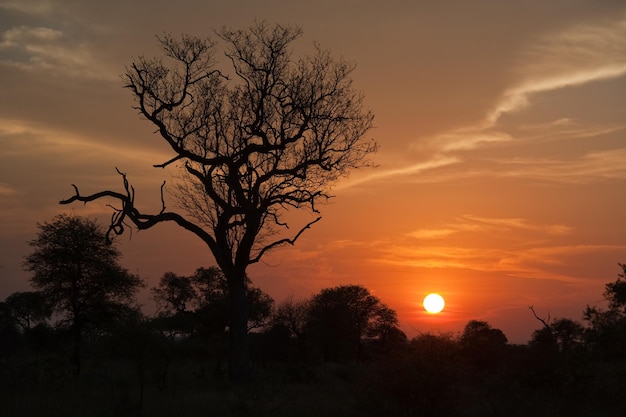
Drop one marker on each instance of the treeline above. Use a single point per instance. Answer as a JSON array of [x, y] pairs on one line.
[[79, 344]]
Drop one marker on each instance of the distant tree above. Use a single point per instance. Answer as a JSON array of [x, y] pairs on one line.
[[174, 293], [477, 333], [292, 315], [616, 292], [254, 145], [563, 335], [482, 343], [607, 328], [28, 309], [341, 318], [78, 274]]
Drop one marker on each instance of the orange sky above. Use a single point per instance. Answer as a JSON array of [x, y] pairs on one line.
[[502, 170]]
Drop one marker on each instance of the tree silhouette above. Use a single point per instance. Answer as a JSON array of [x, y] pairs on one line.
[[292, 315], [340, 318], [270, 137], [562, 334], [483, 344], [28, 308], [78, 274], [607, 331]]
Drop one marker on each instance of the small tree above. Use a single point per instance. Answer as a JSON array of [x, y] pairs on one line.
[[28, 308], [292, 315], [78, 274], [271, 136]]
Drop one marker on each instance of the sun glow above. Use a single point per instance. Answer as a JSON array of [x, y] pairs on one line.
[[434, 303]]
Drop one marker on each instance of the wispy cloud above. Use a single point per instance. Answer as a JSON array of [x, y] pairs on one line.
[[35, 7], [49, 140], [382, 174], [538, 262], [463, 139], [574, 56], [577, 55], [39, 49], [515, 223], [592, 166], [567, 128], [469, 223]]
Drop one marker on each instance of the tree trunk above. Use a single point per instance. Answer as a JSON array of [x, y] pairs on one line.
[[239, 360]]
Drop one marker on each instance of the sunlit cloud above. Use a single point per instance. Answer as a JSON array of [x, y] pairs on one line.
[[540, 262], [463, 139], [432, 233], [42, 49], [469, 223], [593, 166], [578, 55], [517, 223], [49, 140], [567, 128], [35, 7], [572, 57], [384, 174]]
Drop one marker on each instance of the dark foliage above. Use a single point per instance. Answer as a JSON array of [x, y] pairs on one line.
[[28, 309], [199, 304], [78, 275]]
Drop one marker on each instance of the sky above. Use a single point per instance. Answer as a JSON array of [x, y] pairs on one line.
[[500, 179]]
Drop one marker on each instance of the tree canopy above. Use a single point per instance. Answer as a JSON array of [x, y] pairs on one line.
[[341, 318], [79, 274]]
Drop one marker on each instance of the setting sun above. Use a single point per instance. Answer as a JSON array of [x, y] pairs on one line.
[[434, 303]]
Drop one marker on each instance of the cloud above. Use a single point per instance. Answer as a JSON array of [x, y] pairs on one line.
[[574, 56], [567, 128], [469, 223], [592, 166], [543, 262], [43, 49], [463, 139], [577, 55], [33, 7], [433, 233], [517, 223], [408, 170], [50, 141]]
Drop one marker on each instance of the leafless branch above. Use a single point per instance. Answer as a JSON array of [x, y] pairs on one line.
[[140, 220], [284, 241], [546, 323]]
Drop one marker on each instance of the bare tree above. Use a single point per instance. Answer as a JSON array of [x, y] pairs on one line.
[[271, 136]]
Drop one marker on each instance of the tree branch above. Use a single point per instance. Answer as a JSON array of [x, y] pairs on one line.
[[140, 220], [545, 323], [291, 241], [166, 163]]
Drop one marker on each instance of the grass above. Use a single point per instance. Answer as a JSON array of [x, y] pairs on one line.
[[43, 387]]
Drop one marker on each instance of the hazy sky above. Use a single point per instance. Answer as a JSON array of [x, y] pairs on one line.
[[501, 178]]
